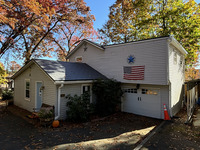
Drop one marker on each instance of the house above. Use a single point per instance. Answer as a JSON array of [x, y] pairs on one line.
[[49, 82], [151, 72]]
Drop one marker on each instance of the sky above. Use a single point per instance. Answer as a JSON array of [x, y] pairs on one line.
[[100, 9]]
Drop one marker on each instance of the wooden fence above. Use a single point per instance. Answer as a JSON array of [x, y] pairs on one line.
[[191, 97]]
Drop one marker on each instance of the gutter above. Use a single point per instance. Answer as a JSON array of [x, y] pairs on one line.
[[177, 45], [56, 118]]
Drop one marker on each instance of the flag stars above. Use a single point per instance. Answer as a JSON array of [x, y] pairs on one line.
[[131, 59]]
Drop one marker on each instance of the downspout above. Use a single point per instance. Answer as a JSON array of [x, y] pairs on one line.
[[170, 98], [56, 118]]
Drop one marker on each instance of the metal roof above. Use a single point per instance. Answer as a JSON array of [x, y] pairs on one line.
[[68, 71]]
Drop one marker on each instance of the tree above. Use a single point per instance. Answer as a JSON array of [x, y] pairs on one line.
[[30, 24], [3, 74], [14, 67], [124, 17], [155, 18], [192, 74], [181, 19], [69, 35], [108, 96], [16, 16]]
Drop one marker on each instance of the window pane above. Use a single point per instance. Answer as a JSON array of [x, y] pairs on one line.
[[79, 59], [144, 91], [27, 94], [27, 85], [86, 89]]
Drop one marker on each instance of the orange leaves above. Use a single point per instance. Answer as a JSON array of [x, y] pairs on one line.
[[192, 74], [31, 25]]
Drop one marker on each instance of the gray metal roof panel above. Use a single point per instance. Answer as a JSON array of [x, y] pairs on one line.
[[68, 71]]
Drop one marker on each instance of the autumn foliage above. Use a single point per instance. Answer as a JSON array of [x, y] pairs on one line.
[[192, 74], [29, 27], [141, 19], [3, 74]]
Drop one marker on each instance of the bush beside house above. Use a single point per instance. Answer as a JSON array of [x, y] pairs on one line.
[[108, 99], [79, 107], [108, 96]]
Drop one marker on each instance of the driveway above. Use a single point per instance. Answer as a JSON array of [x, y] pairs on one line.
[[118, 131], [175, 135]]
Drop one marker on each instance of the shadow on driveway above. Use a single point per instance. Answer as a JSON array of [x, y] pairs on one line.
[[118, 131]]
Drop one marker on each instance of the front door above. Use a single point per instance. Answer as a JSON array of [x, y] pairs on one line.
[[38, 95]]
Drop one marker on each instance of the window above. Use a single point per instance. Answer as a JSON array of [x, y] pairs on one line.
[[175, 58], [130, 90], [87, 88], [181, 62], [27, 89], [79, 59], [149, 92]]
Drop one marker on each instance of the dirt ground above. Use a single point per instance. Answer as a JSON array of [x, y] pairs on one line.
[[175, 135], [118, 131]]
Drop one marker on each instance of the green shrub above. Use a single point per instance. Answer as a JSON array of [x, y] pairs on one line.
[[108, 96], [7, 94], [79, 107], [46, 113]]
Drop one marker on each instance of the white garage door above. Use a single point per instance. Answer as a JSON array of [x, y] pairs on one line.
[[144, 101]]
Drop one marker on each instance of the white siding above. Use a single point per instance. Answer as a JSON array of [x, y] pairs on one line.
[[34, 73], [151, 53], [71, 89], [176, 78], [164, 95]]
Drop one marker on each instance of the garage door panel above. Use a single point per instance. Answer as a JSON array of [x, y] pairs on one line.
[[130, 102], [145, 102]]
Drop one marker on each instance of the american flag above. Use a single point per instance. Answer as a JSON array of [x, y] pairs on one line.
[[134, 73]]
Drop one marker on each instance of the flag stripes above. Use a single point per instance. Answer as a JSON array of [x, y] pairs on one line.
[[134, 73]]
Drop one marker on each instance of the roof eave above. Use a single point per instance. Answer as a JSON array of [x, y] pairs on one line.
[[174, 42], [22, 69], [74, 82], [43, 71], [28, 65]]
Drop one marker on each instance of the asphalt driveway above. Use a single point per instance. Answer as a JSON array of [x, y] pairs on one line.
[[119, 131]]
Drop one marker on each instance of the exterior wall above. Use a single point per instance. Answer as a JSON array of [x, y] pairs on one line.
[[176, 78], [71, 89], [34, 73], [151, 53], [164, 94]]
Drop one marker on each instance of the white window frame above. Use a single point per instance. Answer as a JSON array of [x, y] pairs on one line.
[[77, 58], [27, 98], [90, 90]]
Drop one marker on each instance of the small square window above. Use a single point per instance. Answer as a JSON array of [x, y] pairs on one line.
[[144, 91], [130, 90], [79, 59], [149, 92]]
